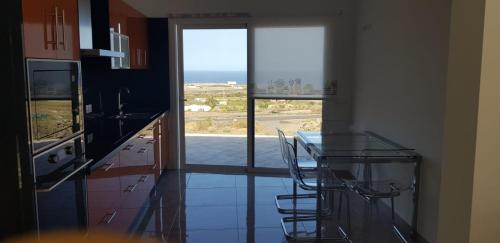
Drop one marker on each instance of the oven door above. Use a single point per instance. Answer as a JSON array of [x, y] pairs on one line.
[[65, 206], [61, 186], [55, 102]]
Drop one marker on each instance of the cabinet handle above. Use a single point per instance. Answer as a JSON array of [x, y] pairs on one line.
[[65, 178], [63, 43], [131, 188], [141, 151], [56, 10], [128, 147], [143, 178], [53, 29], [108, 166], [145, 58], [109, 217], [138, 55]]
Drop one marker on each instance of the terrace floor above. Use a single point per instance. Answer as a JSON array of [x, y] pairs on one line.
[[213, 149]]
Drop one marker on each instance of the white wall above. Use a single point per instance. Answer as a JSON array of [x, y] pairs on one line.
[[400, 86], [159, 8], [462, 92], [485, 212]]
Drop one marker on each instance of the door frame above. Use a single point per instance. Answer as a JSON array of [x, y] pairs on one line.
[[177, 97], [176, 116]]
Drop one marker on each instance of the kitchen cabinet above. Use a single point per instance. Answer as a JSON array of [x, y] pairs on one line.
[[128, 21], [51, 29], [125, 183], [163, 145], [138, 28]]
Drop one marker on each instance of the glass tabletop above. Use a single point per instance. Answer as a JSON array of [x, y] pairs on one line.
[[351, 145]]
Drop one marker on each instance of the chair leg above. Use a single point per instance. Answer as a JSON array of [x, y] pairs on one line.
[[340, 205], [294, 198], [294, 195], [393, 214], [293, 236], [348, 202], [348, 215]]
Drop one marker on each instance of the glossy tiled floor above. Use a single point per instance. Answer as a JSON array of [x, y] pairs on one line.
[[200, 207]]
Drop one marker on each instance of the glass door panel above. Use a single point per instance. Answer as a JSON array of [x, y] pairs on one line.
[[288, 115], [215, 96]]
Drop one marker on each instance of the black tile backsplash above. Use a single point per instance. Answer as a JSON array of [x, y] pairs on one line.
[[149, 89], [149, 92]]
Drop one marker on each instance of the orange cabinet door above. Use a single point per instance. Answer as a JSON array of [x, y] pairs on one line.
[[39, 26], [144, 42], [67, 29], [51, 29], [163, 135], [138, 42]]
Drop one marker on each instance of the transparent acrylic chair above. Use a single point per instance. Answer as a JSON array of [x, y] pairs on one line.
[[307, 215], [372, 190]]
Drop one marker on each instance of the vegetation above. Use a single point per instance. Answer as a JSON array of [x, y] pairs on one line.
[[229, 107]]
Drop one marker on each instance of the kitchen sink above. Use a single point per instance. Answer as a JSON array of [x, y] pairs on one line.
[[133, 116]]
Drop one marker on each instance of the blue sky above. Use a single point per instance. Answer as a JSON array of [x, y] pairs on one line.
[[215, 49]]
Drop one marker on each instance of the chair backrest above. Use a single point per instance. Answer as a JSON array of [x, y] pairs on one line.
[[293, 166], [283, 146], [289, 158]]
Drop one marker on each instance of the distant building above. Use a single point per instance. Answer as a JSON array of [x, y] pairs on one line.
[[197, 108], [200, 100], [231, 83]]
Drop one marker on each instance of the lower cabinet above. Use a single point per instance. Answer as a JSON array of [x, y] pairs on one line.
[[122, 186]]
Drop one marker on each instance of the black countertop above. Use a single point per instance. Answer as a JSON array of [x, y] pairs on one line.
[[104, 134]]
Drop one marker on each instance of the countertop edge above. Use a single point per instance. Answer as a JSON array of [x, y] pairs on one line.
[[129, 138]]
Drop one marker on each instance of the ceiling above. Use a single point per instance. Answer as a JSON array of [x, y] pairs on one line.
[[161, 8]]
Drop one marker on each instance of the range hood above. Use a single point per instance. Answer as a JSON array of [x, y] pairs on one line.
[[89, 47]]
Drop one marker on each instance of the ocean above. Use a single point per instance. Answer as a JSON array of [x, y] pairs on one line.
[[215, 77]]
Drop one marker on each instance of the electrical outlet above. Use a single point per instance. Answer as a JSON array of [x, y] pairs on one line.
[[90, 138], [88, 109]]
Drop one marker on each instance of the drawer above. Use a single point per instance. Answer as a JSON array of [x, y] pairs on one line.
[[98, 200], [129, 183], [136, 199], [96, 184], [133, 154], [121, 221]]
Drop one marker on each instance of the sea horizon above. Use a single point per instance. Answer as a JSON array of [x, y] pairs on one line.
[[194, 76]]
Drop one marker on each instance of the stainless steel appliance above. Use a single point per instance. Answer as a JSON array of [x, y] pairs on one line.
[[54, 100], [55, 115], [61, 187]]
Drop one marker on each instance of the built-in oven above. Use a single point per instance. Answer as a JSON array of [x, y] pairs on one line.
[[55, 114], [61, 186], [54, 100]]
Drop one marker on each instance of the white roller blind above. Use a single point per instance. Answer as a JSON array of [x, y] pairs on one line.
[[289, 60]]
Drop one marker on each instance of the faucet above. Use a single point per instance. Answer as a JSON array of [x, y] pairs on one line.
[[120, 104]]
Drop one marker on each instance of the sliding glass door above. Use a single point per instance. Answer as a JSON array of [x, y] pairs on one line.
[[288, 115], [287, 85], [215, 96], [238, 84]]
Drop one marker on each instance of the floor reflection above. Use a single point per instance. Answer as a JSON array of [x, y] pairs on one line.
[[206, 207]]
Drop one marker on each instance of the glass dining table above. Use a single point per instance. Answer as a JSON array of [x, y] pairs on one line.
[[332, 149]]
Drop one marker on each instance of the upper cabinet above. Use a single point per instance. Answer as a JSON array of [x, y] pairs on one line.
[[127, 21], [138, 29], [51, 29]]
